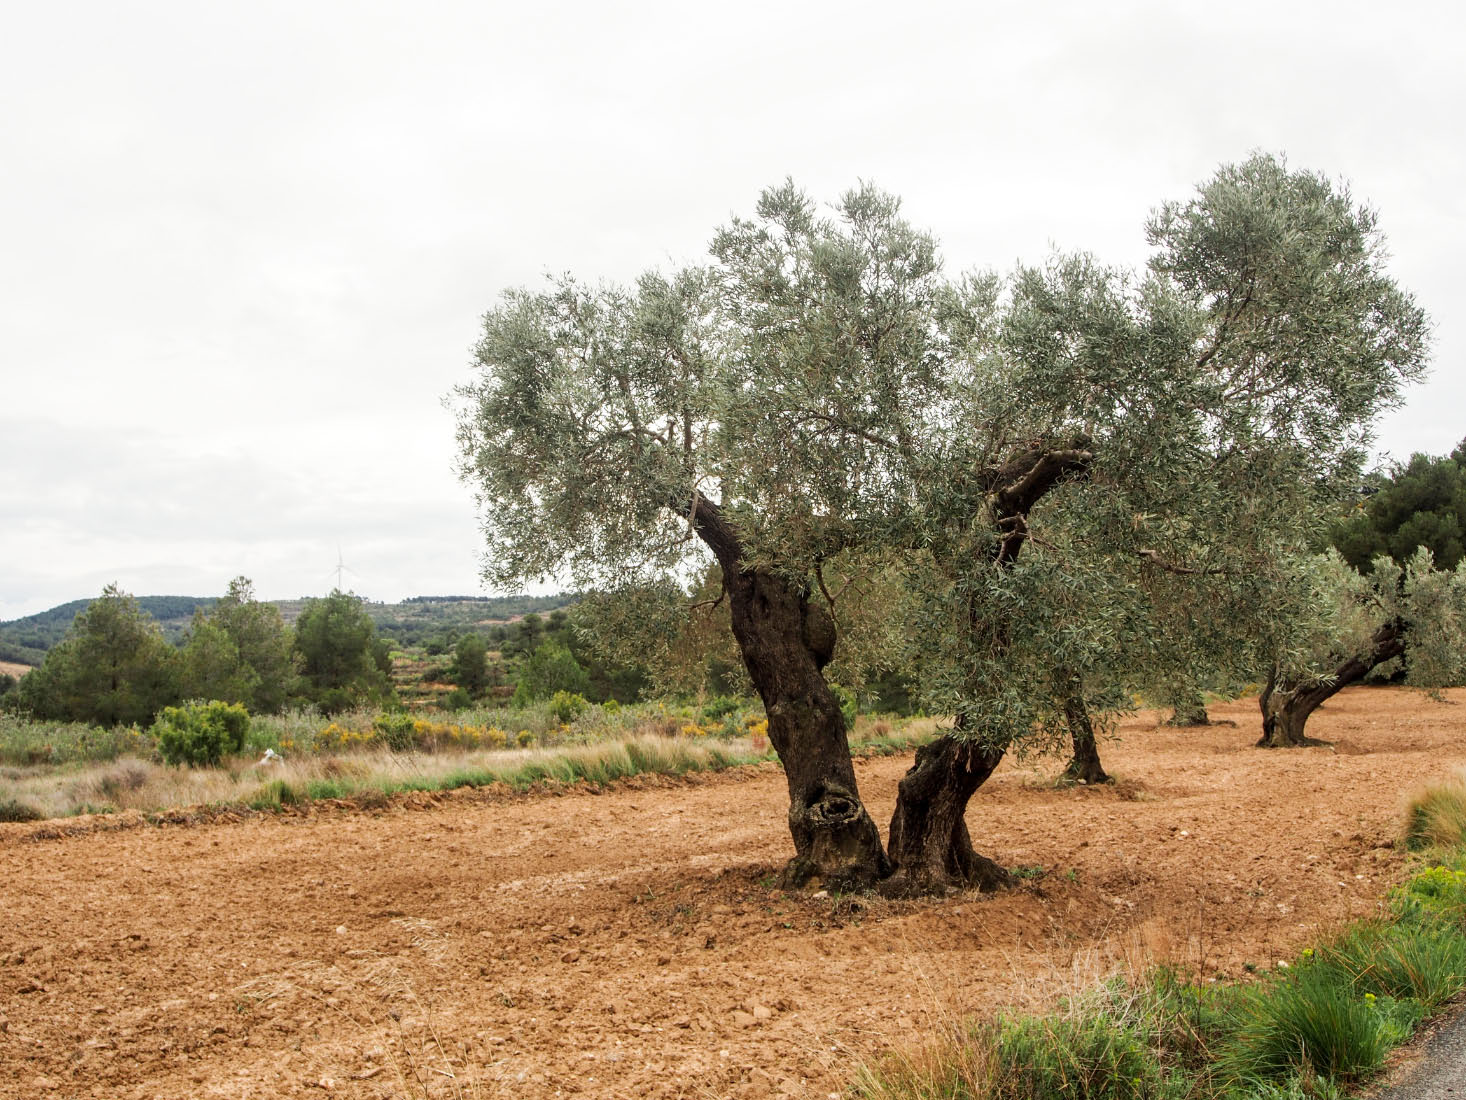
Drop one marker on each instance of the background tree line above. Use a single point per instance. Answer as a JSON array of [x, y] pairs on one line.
[[115, 665]]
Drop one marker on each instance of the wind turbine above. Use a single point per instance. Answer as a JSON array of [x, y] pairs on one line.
[[341, 567]]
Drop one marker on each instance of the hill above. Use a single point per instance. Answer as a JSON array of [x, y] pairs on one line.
[[25, 640]]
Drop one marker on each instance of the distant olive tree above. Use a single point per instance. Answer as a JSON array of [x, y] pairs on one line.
[[1411, 618]]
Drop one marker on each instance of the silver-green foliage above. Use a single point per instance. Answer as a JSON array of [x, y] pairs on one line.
[[1336, 616], [837, 394]]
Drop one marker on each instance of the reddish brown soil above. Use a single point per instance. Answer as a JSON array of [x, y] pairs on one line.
[[630, 944]]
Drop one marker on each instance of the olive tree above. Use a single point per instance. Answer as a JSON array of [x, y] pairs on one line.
[[617, 436], [1192, 420], [1409, 617], [821, 391]]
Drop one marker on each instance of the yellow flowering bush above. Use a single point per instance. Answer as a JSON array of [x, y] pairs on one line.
[[758, 733]]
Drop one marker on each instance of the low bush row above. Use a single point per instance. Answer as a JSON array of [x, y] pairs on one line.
[[200, 734]]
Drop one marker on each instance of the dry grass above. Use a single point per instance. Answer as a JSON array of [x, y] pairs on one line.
[[1435, 816], [130, 783]]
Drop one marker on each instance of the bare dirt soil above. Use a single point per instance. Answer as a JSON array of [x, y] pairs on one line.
[[631, 943], [13, 669]]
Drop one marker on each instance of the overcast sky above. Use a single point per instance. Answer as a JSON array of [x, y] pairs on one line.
[[244, 248]]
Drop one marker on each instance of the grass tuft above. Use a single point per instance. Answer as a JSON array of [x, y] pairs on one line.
[[1308, 1021], [1421, 959], [12, 809], [1436, 816]]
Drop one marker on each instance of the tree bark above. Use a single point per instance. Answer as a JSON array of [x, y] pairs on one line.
[[786, 641], [1287, 705], [1084, 765], [929, 841]]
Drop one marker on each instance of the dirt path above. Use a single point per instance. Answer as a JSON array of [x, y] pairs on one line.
[[630, 943]]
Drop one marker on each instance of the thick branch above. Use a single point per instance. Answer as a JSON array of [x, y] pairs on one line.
[[1025, 480], [1152, 557], [707, 519], [1022, 481]]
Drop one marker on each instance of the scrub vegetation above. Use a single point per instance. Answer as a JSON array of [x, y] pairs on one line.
[[1309, 1030]]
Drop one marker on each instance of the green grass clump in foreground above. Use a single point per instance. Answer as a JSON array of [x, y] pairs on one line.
[[1319, 1026]]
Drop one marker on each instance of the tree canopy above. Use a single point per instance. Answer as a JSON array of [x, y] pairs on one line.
[[336, 642], [1422, 503], [112, 668], [240, 651]]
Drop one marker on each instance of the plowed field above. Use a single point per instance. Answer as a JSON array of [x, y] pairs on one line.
[[631, 943]]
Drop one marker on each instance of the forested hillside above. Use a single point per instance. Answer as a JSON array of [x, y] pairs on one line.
[[413, 621], [26, 640]]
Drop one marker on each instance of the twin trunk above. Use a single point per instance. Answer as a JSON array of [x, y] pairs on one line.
[[929, 841], [786, 642]]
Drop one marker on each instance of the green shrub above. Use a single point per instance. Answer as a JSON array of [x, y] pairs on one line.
[[200, 734], [567, 706], [1435, 893], [721, 706], [849, 705], [395, 730]]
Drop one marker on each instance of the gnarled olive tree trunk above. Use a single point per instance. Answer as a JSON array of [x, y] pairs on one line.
[[1287, 704], [929, 841], [1188, 711], [786, 641], [1084, 765]]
